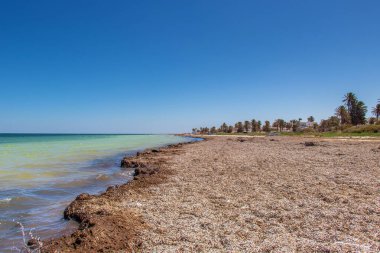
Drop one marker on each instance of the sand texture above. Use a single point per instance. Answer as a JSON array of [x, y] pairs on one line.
[[230, 194]]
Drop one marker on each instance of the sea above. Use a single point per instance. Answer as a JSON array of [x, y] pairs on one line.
[[40, 174]]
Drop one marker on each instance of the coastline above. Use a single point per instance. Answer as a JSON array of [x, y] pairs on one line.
[[102, 230], [236, 194]]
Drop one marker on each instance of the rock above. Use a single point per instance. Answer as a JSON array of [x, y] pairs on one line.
[[310, 144], [78, 241], [155, 150], [128, 163], [111, 188], [83, 196], [73, 211], [34, 244], [87, 223], [145, 171]]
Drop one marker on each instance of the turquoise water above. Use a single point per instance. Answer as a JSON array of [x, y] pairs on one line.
[[41, 174]]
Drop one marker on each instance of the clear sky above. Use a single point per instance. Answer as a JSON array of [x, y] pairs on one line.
[[168, 66]]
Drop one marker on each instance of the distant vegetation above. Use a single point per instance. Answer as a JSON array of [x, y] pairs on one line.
[[349, 119]]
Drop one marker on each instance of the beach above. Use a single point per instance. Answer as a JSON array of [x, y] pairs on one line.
[[189, 126], [41, 174], [235, 194]]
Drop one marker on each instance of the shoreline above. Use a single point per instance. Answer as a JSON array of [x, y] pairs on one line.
[[236, 195], [144, 163]]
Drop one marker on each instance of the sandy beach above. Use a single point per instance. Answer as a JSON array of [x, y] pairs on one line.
[[234, 194]]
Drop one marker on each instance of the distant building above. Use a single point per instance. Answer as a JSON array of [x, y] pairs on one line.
[[303, 125]]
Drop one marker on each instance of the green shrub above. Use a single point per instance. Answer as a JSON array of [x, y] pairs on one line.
[[345, 126], [308, 130], [363, 129]]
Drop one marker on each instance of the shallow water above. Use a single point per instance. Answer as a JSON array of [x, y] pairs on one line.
[[41, 174]]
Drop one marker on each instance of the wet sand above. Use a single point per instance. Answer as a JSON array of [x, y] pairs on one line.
[[234, 194]]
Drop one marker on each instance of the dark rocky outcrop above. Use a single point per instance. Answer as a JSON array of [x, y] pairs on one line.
[[34, 244], [71, 212], [144, 171], [131, 163]]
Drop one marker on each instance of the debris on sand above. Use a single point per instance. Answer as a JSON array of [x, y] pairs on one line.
[[106, 224], [310, 144], [145, 171], [225, 196]]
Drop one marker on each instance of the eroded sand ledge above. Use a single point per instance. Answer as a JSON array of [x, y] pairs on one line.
[[229, 194]]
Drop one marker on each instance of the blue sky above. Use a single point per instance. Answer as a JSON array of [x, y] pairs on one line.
[[168, 66]]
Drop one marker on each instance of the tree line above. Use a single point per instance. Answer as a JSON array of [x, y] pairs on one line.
[[351, 113]]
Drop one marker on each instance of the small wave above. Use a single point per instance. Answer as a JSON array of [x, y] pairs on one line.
[[5, 200], [17, 203], [102, 177], [50, 192], [73, 184], [125, 173]]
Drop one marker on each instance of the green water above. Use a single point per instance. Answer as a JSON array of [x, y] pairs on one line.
[[41, 174], [45, 157]]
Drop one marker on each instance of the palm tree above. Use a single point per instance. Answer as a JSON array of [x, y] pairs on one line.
[[310, 119], [279, 124], [266, 127], [342, 114], [224, 128], [376, 111], [350, 99], [239, 127], [247, 125], [254, 125], [356, 109], [295, 124], [360, 112], [275, 124]]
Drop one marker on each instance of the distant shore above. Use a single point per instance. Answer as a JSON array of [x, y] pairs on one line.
[[236, 194], [319, 138]]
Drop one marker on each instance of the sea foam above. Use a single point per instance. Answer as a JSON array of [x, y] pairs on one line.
[[5, 200]]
